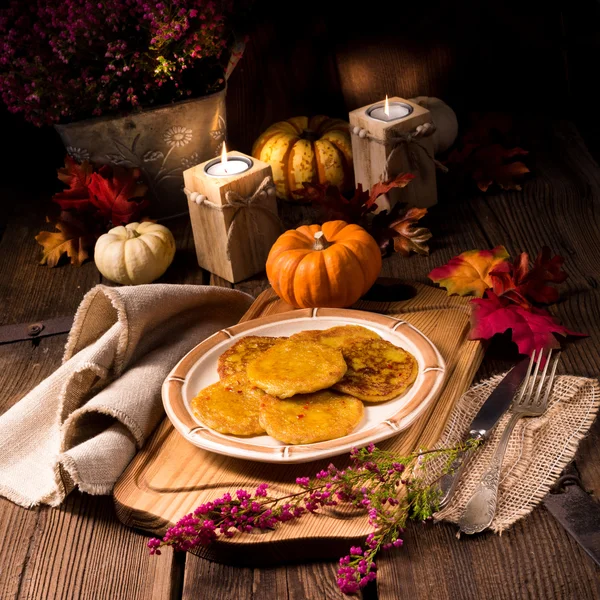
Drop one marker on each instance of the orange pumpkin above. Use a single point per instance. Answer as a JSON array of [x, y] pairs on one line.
[[315, 150], [332, 266]]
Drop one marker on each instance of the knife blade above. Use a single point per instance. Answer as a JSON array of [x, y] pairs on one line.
[[577, 511], [482, 425]]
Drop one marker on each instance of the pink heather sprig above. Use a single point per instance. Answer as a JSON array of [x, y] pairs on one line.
[[66, 59], [390, 489]]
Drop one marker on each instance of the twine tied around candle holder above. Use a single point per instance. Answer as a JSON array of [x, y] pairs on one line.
[[411, 140], [237, 202]]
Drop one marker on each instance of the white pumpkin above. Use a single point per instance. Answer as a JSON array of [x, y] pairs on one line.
[[444, 119], [135, 253]]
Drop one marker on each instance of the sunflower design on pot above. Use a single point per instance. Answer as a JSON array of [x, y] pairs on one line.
[[176, 137]]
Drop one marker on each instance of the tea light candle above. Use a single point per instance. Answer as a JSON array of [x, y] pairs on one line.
[[225, 166], [374, 129], [245, 253], [390, 111]]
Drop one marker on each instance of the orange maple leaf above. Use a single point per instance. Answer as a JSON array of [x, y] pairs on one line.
[[70, 239], [469, 272]]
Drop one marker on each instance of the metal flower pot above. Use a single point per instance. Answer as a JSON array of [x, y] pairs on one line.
[[162, 142]]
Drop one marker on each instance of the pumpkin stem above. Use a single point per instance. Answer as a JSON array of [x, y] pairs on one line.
[[132, 233], [321, 242], [310, 135]]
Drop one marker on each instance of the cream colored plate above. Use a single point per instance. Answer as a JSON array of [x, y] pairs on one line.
[[198, 369]]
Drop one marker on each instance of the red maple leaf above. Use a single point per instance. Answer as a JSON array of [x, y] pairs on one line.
[[532, 328], [522, 284], [77, 177], [118, 193]]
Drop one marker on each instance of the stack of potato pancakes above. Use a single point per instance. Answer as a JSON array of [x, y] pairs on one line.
[[307, 388]]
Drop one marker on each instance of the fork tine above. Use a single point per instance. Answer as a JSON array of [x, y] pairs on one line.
[[525, 380], [531, 382], [538, 394], [551, 379]]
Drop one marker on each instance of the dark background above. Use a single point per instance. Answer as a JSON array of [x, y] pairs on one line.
[[530, 58]]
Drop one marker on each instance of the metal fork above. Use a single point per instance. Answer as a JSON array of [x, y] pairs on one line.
[[531, 402]]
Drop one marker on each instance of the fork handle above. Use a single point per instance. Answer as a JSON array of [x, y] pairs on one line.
[[481, 507]]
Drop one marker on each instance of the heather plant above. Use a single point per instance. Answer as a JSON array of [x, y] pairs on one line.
[[390, 489], [64, 60]]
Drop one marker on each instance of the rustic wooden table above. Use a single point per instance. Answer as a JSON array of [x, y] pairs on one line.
[[81, 551]]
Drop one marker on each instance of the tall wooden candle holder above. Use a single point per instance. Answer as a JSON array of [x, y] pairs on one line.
[[234, 215], [384, 146]]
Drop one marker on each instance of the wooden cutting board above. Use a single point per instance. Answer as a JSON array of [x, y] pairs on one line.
[[169, 477]]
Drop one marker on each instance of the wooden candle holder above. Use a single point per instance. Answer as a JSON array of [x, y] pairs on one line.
[[374, 140], [233, 251]]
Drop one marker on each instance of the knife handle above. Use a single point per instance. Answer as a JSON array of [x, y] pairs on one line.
[[449, 480]]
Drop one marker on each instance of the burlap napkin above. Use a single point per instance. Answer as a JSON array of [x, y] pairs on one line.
[[83, 424], [538, 450]]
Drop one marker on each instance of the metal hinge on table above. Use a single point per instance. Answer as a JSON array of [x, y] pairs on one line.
[[38, 329]]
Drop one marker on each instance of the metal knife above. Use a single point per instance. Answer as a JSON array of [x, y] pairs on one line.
[[576, 511], [482, 425]]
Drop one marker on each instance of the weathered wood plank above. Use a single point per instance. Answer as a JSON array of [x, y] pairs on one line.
[[80, 551], [535, 559], [293, 582]]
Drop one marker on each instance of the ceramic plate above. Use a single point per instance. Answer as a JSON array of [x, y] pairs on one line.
[[199, 368]]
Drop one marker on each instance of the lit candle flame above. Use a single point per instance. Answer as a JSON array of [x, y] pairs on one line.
[[224, 154], [386, 108]]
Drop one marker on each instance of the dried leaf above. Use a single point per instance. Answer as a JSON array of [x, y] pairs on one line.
[[518, 280], [469, 272], [77, 177], [333, 205], [396, 231], [532, 329], [118, 193], [380, 188], [490, 164], [487, 151], [71, 239]]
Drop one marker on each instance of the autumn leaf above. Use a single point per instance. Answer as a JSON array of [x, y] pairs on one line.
[[77, 177], [469, 272], [117, 193], [71, 239], [487, 153], [490, 164], [334, 205], [532, 328], [520, 281], [383, 187], [396, 230]]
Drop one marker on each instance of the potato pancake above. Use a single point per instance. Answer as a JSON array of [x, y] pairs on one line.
[[336, 337], [296, 367], [229, 407], [236, 359], [310, 418], [377, 370]]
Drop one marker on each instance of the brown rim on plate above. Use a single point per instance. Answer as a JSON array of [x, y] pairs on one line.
[[431, 376]]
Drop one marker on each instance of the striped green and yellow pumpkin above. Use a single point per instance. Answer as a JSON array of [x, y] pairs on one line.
[[316, 150]]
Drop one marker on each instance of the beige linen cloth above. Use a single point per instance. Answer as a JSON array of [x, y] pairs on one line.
[[83, 424], [538, 450]]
